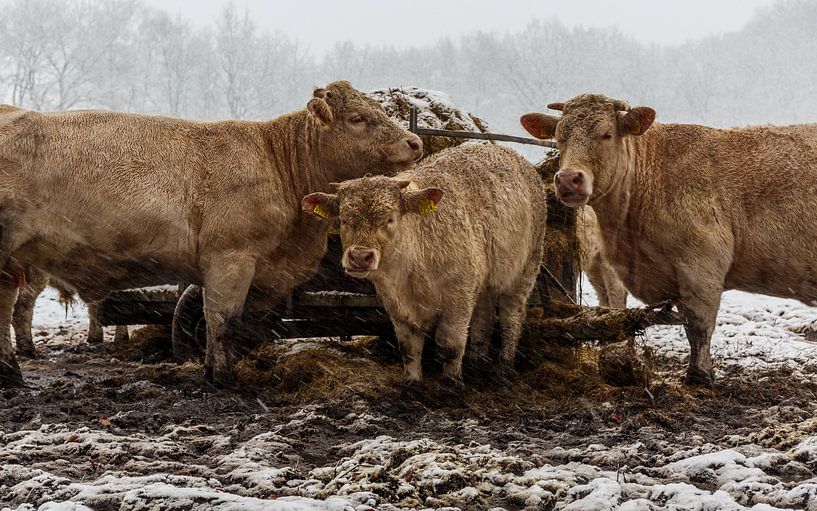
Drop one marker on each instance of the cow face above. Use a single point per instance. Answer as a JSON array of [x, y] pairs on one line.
[[591, 136], [370, 210], [356, 137]]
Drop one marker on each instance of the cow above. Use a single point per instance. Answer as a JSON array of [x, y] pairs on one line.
[[445, 245], [688, 211], [105, 200], [23, 313], [609, 288]]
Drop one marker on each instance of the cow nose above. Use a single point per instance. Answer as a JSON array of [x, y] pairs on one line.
[[570, 180], [416, 145], [361, 258]]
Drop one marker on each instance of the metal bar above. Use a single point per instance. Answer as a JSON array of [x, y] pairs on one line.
[[467, 134]]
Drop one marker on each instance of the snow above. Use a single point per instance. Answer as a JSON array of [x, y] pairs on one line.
[[262, 472]]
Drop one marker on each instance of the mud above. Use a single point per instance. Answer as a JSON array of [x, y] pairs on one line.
[[93, 413]]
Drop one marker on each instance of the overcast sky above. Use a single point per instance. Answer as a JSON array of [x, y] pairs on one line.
[[320, 23]]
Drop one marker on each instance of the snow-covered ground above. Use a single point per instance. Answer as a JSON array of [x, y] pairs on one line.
[[771, 464]]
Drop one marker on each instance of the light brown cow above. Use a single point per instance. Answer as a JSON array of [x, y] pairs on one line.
[[687, 211], [609, 288], [106, 200], [436, 270]]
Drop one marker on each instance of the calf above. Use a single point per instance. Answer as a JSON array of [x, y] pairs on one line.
[[443, 272], [687, 211]]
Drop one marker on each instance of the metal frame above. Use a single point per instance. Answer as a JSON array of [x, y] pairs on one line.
[[468, 134]]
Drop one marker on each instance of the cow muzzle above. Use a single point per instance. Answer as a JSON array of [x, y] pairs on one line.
[[359, 261], [403, 154], [573, 187]]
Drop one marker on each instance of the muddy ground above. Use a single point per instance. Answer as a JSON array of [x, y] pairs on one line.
[[95, 418]]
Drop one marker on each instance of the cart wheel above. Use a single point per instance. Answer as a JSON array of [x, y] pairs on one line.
[[189, 329]]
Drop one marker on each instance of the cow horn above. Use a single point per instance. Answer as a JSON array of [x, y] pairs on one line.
[[556, 106], [620, 106], [402, 183]]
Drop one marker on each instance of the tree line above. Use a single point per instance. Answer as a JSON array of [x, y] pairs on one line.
[[126, 55]]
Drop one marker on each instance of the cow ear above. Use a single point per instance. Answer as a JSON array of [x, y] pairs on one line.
[[324, 205], [540, 125], [320, 110], [422, 201], [636, 121]]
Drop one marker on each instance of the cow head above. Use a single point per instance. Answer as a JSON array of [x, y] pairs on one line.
[[371, 210], [356, 137], [591, 136]]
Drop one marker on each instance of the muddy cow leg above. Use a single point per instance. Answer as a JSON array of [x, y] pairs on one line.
[[410, 339], [10, 375], [121, 334], [227, 280], [700, 323], [482, 326], [452, 337], [512, 319], [700, 289], [23, 313], [96, 335]]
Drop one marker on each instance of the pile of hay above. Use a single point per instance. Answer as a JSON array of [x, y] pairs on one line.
[[435, 111], [325, 368]]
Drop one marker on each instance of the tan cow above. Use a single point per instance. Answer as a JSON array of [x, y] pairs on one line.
[[106, 200], [436, 270], [687, 211], [609, 288]]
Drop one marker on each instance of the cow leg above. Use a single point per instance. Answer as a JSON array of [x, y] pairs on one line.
[[23, 313], [512, 320], [595, 275], [121, 335], [227, 281], [701, 318], [616, 292], [482, 326], [96, 335], [410, 339], [452, 338], [10, 374]]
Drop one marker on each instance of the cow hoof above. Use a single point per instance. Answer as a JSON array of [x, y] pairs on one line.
[[221, 379], [11, 377], [451, 393], [699, 377], [93, 339], [412, 390], [29, 353]]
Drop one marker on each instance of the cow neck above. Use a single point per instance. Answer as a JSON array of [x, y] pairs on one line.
[[613, 205], [294, 142]]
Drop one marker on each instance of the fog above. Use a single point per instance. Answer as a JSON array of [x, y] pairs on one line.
[[132, 55]]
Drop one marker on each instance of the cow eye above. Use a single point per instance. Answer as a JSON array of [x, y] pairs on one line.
[[390, 221], [357, 119], [607, 134]]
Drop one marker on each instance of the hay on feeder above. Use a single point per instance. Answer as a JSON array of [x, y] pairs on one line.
[[435, 111]]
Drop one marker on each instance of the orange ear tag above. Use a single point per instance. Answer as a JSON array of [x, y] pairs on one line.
[[427, 207], [321, 211]]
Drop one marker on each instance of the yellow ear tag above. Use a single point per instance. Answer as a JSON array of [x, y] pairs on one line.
[[321, 211], [427, 206]]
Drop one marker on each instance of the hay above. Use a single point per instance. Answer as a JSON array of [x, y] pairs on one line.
[[435, 111], [150, 343], [324, 369]]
